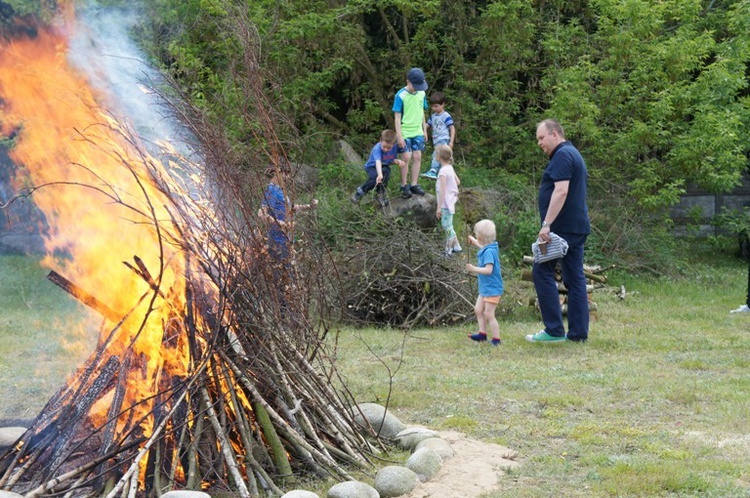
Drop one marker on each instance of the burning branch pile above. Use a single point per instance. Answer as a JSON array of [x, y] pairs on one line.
[[214, 377], [210, 372]]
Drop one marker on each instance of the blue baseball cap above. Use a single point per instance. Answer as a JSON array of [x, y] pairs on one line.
[[415, 76]]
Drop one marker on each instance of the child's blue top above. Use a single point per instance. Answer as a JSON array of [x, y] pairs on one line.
[[441, 127], [275, 204], [492, 284], [377, 154]]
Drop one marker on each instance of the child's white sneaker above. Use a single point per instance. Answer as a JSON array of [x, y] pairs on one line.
[[457, 247], [742, 309]]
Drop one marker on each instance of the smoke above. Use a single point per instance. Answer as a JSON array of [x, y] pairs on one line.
[[103, 49]]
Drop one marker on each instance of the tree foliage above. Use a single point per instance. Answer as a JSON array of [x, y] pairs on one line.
[[654, 92]]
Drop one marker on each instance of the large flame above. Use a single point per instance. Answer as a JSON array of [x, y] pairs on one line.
[[102, 210]]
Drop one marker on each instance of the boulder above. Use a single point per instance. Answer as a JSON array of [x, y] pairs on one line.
[[440, 446], [410, 437], [9, 435], [419, 208], [425, 462], [348, 153], [477, 204], [305, 178], [352, 489], [299, 493], [395, 481], [384, 423]]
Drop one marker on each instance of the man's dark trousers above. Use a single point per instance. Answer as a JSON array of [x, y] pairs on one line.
[[575, 281]]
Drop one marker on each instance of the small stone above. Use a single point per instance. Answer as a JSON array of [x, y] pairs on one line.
[[185, 493], [384, 423], [9, 494], [300, 493], [410, 437], [9, 436]]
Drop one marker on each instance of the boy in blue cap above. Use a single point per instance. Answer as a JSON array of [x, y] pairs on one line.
[[409, 108]]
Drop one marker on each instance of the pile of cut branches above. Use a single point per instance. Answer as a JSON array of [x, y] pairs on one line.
[[397, 275]]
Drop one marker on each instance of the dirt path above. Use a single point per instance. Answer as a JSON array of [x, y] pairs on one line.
[[474, 469]]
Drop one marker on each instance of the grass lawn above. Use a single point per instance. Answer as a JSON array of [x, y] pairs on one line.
[[43, 337], [656, 404]]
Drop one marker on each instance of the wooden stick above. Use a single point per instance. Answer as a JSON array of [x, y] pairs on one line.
[[225, 445], [83, 296]]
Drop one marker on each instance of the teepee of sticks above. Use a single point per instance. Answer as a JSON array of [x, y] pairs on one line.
[[210, 371]]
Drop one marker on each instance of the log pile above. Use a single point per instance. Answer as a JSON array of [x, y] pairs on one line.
[[595, 279]]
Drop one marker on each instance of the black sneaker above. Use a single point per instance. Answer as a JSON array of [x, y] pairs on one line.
[[356, 196], [416, 189], [380, 196], [405, 191]]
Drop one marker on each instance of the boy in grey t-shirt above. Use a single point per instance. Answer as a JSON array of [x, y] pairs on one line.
[[443, 130]]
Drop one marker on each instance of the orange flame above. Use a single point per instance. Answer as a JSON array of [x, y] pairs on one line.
[[95, 200]]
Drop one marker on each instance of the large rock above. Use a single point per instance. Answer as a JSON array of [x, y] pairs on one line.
[[409, 438], [384, 423], [352, 489], [9, 435], [305, 177], [185, 493], [477, 203], [425, 462], [300, 493], [395, 481], [440, 446], [419, 208]]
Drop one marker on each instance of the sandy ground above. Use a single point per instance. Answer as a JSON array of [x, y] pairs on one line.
[[473, 470]]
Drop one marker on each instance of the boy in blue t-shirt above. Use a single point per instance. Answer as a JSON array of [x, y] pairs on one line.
[[378, 167], [443, 130], [490, 280]]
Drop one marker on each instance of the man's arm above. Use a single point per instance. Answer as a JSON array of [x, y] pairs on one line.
[[556, 203]]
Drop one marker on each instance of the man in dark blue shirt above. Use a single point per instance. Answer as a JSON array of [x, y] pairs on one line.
[[564, 211]]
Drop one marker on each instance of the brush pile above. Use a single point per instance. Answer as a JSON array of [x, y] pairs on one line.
[[396, 275]]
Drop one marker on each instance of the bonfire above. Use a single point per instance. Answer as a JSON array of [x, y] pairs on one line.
[[210, 372]]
